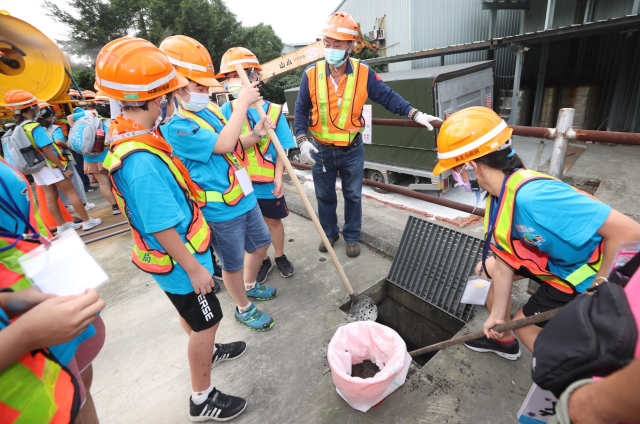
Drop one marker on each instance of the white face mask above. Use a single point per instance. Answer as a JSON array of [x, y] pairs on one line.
[[234, 85], [197, 101]]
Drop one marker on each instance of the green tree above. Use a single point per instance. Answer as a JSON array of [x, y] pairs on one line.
[[84, 76], [94, 23]]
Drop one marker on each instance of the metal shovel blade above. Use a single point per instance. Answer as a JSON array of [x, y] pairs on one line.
[[363, 308]]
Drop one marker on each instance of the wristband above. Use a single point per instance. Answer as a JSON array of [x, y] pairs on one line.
[[599, 280]]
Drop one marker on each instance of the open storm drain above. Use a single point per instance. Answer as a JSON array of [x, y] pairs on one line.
[[420, 298]]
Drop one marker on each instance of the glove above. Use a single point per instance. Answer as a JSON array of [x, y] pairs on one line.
[[306, 148], [424, 119], [562, 407]]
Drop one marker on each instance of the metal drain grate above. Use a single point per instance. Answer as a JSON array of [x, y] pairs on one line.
[[433, 263]]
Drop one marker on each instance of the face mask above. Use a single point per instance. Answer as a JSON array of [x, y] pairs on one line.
[[335, 57], [464, 178], [234, 86], [197, 101]]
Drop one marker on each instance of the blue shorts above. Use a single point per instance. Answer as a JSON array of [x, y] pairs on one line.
[[230, 239]]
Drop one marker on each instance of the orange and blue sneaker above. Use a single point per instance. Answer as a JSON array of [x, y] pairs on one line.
[[255, 319]]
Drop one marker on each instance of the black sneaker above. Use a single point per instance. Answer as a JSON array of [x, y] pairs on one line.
[[285, 267], [509, 351], [217, 407], [333, 241], [115, 210], [228, 352], [264, 270]]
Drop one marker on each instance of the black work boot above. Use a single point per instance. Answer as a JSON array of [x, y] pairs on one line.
[[332, 241], [353, 249]]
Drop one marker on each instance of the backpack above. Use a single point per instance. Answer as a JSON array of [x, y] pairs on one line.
[[593, 335], [87, 136], [26, 157]]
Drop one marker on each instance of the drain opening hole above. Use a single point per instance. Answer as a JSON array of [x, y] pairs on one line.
[[416, 321]]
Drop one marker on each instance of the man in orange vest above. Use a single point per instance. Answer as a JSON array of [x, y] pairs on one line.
[[155, 191], [536, 226], [333, 92]]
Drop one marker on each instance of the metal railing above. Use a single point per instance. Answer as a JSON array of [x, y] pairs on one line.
[[561, 134]]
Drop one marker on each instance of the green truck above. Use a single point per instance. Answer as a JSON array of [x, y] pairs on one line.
[[406, 156]]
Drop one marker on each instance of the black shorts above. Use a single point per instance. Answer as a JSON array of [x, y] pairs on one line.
[[274, 208], [199, 311], [546, 298]]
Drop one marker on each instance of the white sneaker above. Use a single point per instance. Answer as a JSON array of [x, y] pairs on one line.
[[90, 223], [68, 225], [88, 206]]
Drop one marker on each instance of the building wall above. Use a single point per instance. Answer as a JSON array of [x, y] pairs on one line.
[[397, 25]]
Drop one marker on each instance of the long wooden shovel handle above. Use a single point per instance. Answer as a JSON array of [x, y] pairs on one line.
[[282, 154], [511, 325]]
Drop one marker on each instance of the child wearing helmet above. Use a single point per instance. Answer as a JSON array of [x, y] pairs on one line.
[[212, 148], [57, 172], [162, 204], [264, 165], [536, 226]]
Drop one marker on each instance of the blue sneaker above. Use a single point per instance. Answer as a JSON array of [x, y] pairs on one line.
[[255, 319], [262, 292]]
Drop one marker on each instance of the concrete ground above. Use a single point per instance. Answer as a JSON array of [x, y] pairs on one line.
[[141, 375]]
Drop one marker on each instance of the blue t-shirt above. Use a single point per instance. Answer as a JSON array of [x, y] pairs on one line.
[[194, 146], [265, 190], [18, 194], [19, 197], [155, 202], [58, 135], [560, 222]]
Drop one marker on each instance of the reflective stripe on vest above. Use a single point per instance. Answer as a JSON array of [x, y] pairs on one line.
[[260, 169], [329, 131], [37, 389], [198, 234], [29, 128], [519, 254], [234, 192]]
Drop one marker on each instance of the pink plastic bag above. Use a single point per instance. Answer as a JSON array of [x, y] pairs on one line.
[[357, 341]]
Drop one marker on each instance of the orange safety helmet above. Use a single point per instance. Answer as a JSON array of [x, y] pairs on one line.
[[100, 96], [341, 26], [18, 99], [237, 56], [469, 134], [191, 59], [132, 69]]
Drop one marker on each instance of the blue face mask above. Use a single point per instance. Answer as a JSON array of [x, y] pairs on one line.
[[335, 57]]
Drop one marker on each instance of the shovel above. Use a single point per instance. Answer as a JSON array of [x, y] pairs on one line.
[[362, 307], [511, 325]]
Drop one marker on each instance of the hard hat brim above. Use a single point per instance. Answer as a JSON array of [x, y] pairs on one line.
[[206, 81]]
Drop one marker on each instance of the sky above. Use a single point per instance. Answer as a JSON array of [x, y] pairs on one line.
[[294, 21]]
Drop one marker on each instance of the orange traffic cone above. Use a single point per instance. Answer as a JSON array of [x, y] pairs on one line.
[[44, 211]]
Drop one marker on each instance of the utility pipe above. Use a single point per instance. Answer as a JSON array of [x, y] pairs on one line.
[[415, 194], [610, 137]]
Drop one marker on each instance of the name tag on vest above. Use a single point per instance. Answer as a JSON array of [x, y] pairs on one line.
[[244, 181]]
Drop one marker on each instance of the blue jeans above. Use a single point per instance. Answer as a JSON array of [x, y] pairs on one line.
[[230, 239], [350, 165]]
